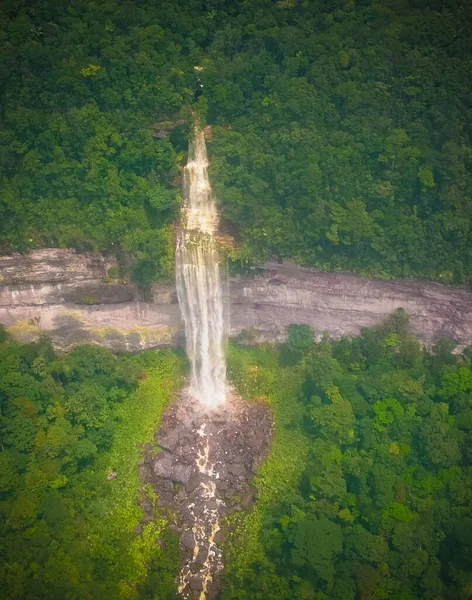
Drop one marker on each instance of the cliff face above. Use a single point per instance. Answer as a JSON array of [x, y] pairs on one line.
[[64, 294], [342, 304]]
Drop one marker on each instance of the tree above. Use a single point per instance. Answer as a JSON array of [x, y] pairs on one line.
[[315, 545]]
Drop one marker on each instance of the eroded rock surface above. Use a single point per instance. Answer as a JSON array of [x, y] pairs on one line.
[[203, 472], [69, 296], [343, 303], [65, 295]]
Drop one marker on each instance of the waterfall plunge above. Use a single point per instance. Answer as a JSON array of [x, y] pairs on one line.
[[199, 280]]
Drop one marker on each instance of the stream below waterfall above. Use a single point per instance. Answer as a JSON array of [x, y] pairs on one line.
[[202, 473]]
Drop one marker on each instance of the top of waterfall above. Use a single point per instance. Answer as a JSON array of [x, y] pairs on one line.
[[200, 208]]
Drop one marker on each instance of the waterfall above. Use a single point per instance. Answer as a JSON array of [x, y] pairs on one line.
[[199, 280]]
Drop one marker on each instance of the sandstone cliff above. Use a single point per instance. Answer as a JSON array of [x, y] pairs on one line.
[[67, 296]]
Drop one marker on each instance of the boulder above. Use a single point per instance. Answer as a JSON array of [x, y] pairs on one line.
[[218, 537], [169, 440], [162, 466], [237, 469], [182, 473], [188, 539], [193, 483], [196, 584]]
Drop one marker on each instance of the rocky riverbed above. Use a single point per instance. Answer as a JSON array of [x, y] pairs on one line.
[[202, 473]]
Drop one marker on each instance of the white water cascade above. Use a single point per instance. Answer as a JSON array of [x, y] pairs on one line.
[[199, 280]]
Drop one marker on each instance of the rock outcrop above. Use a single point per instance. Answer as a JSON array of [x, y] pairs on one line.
[[202, 473], [342, 303], [69, 297]]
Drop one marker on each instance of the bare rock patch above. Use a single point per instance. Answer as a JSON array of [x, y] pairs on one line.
[[202, 473]]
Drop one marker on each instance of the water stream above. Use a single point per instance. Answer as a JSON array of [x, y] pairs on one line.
[[200, 280], [201, 297]]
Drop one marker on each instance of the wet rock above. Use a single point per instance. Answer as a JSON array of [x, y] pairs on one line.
[[188, 539], [182, 473], [212, 456], [163, 466], [196, 584], [212, 504], [193, 484], [169, 440], [222, 471]]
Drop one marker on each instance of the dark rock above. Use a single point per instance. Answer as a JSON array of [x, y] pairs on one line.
[[101, 293], [145, 473], [165, 499], [182, 473], [193, 483], [212, 504], [196, 584], [169, 440], [201, 556], [218, 537], [188, 539], [165, 485], [237, 469], [222, 471], [230, 439], [162, 466]]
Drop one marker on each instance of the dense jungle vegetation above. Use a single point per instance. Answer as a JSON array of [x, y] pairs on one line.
[[72, 431], [341, 133], [365, 494], [367, 490]]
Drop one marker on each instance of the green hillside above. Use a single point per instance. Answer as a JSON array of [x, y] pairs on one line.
[[341, 129]]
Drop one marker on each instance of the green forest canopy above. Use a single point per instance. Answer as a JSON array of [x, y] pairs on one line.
[[367, 490], [72, 432], [365, 494], [341, 131]]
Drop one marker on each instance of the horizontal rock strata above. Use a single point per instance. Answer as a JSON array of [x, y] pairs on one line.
[[69, 297]]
